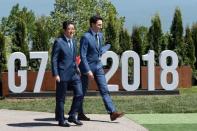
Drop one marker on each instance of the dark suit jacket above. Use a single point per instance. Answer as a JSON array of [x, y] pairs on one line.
[[63, 60], [90, 53]]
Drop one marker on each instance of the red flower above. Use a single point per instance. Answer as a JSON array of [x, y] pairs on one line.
[[78, 60]]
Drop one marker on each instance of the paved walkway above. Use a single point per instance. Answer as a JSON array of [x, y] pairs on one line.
[[11, 120]]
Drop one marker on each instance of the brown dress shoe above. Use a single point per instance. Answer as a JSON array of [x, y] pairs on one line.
[[82, 117], [115, 115]]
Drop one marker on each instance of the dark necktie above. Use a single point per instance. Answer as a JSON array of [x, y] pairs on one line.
[[97, 39]]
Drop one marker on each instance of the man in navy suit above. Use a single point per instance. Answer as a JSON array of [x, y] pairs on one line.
[[91, 67], [66, 73]]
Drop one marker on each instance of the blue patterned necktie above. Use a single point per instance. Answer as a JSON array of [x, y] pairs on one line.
[[70, 45]]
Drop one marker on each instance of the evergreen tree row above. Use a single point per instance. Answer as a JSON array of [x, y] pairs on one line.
[[23, 31]]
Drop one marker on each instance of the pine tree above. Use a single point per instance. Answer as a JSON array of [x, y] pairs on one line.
[[111, 34], [41, 35], [194, 37], [125, 41], [137, 42], [20, 40], [2, 53], [40, 39], [155, 36], [189, 57], [144, 37], [176, 36], [164, 42]]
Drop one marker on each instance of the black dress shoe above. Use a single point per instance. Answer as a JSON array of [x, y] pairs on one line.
[[82, 117], [74, 119], [64, 124]]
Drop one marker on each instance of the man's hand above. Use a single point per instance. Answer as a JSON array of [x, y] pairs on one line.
[[57, 78], [90, 75]]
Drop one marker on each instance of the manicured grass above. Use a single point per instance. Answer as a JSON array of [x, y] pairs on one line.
[[192, 90], [129, 104], [180, 118], [186, 102], [166, 122], [171, 127]]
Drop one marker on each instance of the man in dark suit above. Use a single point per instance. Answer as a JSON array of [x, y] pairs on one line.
[[66, 73], [91, 50]]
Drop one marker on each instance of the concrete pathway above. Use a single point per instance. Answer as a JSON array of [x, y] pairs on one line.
[[11, 120]]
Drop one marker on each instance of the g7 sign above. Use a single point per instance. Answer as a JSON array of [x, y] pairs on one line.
[[115, 58], [23, 73]]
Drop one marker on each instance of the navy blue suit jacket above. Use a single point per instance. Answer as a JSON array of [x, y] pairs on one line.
[[63, 60], [90, 53]]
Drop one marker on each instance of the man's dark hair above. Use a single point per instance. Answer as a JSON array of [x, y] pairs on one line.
[[94, 19], [66, 24]]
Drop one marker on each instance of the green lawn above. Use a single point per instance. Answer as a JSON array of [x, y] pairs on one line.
[[171, 127], [166, 122], [192, 90], [128, 104], [186, 102]]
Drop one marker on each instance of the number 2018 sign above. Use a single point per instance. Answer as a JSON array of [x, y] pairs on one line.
[[150, 58]]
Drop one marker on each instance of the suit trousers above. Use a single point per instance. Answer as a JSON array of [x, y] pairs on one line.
[[100, 79], [62, 86]]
